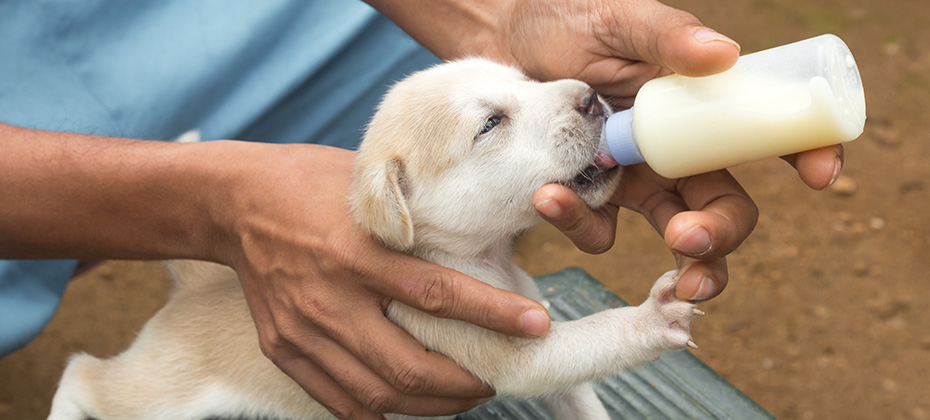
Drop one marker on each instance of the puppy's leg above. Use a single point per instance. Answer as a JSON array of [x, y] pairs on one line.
[[197, 358], [603, 343], [670, 318], [578, 403], [571, 353], [126, 387], [70, 399]]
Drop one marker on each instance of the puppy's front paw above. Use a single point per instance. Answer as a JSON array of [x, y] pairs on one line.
[[668, 319]]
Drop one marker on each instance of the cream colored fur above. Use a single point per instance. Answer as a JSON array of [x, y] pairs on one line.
[[447, 172]]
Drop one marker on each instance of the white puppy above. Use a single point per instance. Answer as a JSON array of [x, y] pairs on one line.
[[447, 172]]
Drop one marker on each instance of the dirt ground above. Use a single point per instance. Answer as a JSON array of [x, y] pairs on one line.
[[826, 314]]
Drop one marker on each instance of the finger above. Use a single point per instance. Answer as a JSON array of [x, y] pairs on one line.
[[319, 385], [591, 231], [818, 168], [701, 280], [619, 80], [405, 364], [373, 392], [673, 39], [724, 217], [446, 293]]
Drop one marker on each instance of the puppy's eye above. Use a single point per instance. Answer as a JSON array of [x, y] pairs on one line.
[[489, 125]]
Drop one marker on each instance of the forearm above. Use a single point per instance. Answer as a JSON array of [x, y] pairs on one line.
[[68, 195], [450, 28]]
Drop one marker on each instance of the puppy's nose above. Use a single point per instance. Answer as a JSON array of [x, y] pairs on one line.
[[588, 104]]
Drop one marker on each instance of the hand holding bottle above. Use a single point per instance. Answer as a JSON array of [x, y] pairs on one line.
[[780, 101], [702, 218], [616, 46]]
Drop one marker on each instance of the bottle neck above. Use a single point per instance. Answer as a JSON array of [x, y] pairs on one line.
[[621, 139]]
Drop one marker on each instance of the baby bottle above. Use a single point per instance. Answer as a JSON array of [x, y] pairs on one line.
[[775, 102]]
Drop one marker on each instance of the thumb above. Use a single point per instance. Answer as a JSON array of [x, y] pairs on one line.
[[672, 38]]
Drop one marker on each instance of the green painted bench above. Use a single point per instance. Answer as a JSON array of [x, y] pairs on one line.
[[677, 386]]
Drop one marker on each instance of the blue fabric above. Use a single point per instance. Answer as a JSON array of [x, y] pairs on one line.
[[29, 294], [277, 70]]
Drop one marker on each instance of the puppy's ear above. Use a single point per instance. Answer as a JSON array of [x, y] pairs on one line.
[[379, 198]]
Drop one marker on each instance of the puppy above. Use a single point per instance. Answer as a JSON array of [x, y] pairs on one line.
[[447, 172]]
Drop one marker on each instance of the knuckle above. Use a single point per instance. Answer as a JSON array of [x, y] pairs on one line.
[[272, 345], [408, 378], [342, 410], [323, 312], [435, 294], [590, 236], [281, 343], [316, 310], [340, 256], [380, 400], [572, 221], [595, 242]]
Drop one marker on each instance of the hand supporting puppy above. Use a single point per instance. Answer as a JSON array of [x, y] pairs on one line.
[[318, 287]]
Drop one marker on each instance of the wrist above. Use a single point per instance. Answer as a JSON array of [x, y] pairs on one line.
[[451, 29], [225, 172], [260, 197]]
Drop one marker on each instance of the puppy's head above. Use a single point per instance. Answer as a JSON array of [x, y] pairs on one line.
[[455, 153]]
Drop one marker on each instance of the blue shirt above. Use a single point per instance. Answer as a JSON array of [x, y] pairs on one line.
[[276, 70]]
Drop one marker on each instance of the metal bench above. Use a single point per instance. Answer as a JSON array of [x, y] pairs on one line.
[[677, 386]]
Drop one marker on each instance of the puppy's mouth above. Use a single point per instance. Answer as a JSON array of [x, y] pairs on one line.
[[599, 171]]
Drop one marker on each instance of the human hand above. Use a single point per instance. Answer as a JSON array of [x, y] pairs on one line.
[[617, 47], [702, 218], [317, 287]]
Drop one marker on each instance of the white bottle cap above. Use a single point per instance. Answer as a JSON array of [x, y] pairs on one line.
[[618, 133]]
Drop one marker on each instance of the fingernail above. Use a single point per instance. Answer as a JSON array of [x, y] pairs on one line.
[[694, 242], [534, 323], [705, 290], [837, 167], [704, 35], [549, 208]]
